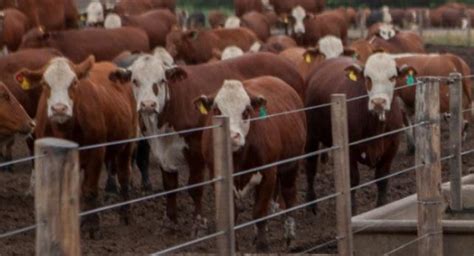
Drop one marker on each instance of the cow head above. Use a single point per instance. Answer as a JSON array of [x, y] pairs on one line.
[[95, 14], [14, 118], [178, 41], [298, 16], [234, 101], [150, 81], [112, 21], [387, 31], [36, 38], [380, 75], [59, 78], [328, 47], [231, 52]]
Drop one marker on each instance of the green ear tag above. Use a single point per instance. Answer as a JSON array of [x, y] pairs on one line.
[[410, 80], [263, 111]]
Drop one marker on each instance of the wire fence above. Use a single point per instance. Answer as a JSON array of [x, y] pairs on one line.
[[254, 170]]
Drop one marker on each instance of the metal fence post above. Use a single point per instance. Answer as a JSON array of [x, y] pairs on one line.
[[455, 139], [428, 176], [57, 197], [223, 167], [340, 138]]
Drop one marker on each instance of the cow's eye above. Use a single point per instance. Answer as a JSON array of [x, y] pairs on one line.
[[246, 114], [135, 82], [393, 79], [155, 88]]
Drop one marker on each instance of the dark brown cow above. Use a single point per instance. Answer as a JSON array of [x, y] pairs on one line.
[[243, 6], [166, 92], [216, 18], [448, 15], [257, 143], [133, 7], [80, 104], [309, 29], [13, 24], [258, 23], [195, 46], [277, 44], [156, 23], [51, 14], [77, 45], [433, 65], [374, 115]]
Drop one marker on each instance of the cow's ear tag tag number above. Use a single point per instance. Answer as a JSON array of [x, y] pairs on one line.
[[352, 76], [263, 111], [202, 109]]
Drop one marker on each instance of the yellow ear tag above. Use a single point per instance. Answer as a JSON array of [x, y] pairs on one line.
[[352, 76], [308, 59], [25, 84], [202, 109]]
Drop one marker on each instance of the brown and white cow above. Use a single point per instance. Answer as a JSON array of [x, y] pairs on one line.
[[50, 14], [194, 46], [261, 142], [165, 97], [81, 104], [367, 117], [307, 59], [77, 45], [13, 25], [437, 65], [308, 29]]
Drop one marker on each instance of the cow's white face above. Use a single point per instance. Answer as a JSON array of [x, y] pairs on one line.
[[387, 31], [381, 75], [232, 22], [299, 14], [331, 47], [231, 52], [112, 21], [59, 77], [149, 84], [95, 13], [233, 101]]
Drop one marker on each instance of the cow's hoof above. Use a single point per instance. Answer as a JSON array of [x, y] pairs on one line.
[[201, 226], [146, 187], [111, 186], [311, 196]]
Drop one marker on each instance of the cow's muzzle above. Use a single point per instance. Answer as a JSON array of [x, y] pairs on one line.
[[379, 108]]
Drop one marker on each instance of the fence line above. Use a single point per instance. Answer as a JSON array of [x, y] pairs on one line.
[[405, 245], [192, 242]]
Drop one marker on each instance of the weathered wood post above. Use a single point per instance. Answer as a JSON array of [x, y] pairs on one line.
[[223, 167], [57, 198], [428, 176], [455, 139], [340, 138]]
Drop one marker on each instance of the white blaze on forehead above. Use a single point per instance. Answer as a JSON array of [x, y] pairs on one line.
[[380, 68], [331, 46], [112, 21], [165, 57], [232, 22], [148, 71], [95, 13], [299, 13], [59, 77], [387, 31], [232, 100], [231, 52]]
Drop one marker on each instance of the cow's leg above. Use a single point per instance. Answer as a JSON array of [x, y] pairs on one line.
[[355, 180], [124, 165], [142, 158], [6, 152], [196, 175], [263, 197], [170, 182], [92, 160], [111, 186], [311, 170], [287, 180], [383, 169]]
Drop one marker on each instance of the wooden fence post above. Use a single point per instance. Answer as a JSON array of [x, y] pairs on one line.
[[455, 139], [340, 138], [223, 167], [57, 198], [428, 176]]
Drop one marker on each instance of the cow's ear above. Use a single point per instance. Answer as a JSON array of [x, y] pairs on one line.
[[354, 72], [259, 103], [203, 104], [82, 69], [121, 75], [191, 34], [175, 74], [350, 53], [406, 70], [311, 54], [28, 79]]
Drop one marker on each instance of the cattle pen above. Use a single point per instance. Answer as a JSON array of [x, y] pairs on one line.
[[57, 180]]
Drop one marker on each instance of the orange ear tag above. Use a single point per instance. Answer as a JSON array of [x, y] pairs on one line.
[[202, 109], [352, 76]]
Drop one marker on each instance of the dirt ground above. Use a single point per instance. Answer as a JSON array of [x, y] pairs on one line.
[[149, 232]]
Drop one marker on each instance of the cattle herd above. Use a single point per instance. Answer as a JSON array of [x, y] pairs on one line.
[[144, 67]]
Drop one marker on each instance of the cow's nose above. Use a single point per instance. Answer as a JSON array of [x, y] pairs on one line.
[[32, 124], [59, 109], [148, 105], [235, 137], [379, 103]]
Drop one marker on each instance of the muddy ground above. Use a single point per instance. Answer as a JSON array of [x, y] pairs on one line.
[[149, 233]]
